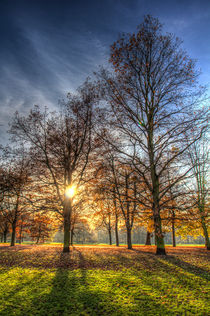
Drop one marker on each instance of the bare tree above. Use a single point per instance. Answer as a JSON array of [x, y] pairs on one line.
[[60, 145], [4, 221], [16, 176], [125, 190], [152, 96], [199, 161]]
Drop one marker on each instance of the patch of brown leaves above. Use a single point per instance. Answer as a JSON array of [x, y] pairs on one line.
[[91, 257]]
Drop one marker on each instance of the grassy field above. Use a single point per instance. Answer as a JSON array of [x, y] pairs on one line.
[[41, 280]]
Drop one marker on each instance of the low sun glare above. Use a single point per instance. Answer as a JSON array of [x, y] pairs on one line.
[[70, 191]]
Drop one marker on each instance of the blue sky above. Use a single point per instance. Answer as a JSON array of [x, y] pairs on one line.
[[49, 47]]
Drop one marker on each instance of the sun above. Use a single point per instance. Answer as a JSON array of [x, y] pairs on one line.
[[70, 191]]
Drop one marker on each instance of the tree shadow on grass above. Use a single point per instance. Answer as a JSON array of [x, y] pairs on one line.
[[91, 292], [15, 248], [175, 260], [16, 288], [97, 292], [184, 290], [71, 294], [188, 267], [82, 292]]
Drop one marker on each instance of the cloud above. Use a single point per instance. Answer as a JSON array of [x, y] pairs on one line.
[[41, 69], [49, 48]]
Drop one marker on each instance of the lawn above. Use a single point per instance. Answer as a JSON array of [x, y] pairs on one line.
[[40, 280]]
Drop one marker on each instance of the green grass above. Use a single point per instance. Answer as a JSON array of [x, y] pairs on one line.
[[143, 284], [96, 292]]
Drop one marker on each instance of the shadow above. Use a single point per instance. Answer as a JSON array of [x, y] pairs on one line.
[[15, 248], [21, 282], [149, 251], [71, 293], [92, 292], [82, 260], [188, 267], [77, 287]]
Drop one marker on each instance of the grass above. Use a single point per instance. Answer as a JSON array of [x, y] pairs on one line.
[[40, 280]]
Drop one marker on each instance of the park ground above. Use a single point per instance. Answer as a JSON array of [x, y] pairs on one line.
[[99, 280]]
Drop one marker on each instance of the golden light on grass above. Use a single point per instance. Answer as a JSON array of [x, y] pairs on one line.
[[70, 191]]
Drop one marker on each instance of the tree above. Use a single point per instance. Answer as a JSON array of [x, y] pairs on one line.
[[199, 161], [117, 216], [23, 225], [125, 190], [105, 196], [16, 177], [78, 221], [152, 96], [4, 227], [60, 145], [103, 215], [41, 227], [4, 220]]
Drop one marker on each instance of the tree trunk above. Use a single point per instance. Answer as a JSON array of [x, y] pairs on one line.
[[13, 233], [159, 236], [67, 221], [15, 222], [116, 219], [173, 230], [39, 235], [205, 232], [129, 242], [160, 250], [2, 237], [148, 239], [110, 236], [37, 241], [155, 193], [116, 231], [5, 235], [20, 239], [72, 236]]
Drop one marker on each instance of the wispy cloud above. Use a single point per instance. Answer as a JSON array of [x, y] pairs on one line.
[[48, 48]]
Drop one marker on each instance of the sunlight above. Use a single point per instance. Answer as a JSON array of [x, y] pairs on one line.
[[70, 191]]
